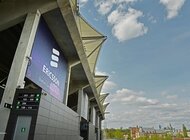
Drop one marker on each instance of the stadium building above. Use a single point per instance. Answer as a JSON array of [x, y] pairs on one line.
[[48, 86]]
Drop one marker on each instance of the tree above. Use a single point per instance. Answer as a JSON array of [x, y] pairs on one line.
[[116, 133], [167, 137], [184, 131], [179, 135], [143, 138]]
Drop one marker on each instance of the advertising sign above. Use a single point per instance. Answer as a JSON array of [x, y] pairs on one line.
[[48, 67]]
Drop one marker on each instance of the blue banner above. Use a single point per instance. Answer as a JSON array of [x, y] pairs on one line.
[[48, 67]]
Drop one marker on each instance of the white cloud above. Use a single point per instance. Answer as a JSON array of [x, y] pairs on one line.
[[105, 6], [127, 96], [164, 93], [101, 73], [137, 108], [172, 7], [161, 106], [108, 86], [151, 18], [167, 105], [168, 95], [113, 72], [153, 111], [126, 1], [171, 97], [126, 25], [82, 2]]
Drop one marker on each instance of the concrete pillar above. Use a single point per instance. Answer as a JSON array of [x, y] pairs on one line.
[[19, 66], [80, 100], [101, 134], [97, 123], [82, 107], [65, 100], [93, 115], [97, 127]]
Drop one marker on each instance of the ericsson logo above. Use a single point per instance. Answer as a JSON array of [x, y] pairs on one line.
[[54, 58]]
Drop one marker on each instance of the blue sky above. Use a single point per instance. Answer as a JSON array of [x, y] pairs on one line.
[[147, 58]]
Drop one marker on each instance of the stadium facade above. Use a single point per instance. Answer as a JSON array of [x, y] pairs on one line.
[[48, 86]]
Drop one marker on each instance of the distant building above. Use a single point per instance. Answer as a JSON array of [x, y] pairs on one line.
[[144, 131], [188, 133], [137, 132], [134, 132], [147, 131], [151, 131]]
